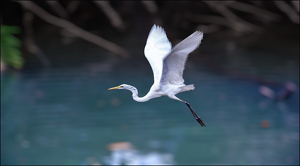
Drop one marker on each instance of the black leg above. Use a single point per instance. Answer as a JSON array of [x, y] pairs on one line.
[[199, 120]]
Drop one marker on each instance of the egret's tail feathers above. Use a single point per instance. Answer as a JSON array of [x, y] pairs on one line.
[[188, 87]]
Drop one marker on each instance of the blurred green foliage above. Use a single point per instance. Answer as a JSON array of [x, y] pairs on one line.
[[10, 47]]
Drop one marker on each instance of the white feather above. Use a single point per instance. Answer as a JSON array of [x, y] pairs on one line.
[[167, 65], [157, 48], [174, 63]]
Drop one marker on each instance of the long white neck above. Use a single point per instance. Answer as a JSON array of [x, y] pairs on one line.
[[135, 96]]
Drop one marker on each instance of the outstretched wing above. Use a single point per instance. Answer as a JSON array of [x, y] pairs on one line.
[[174, 63], [157, 48]]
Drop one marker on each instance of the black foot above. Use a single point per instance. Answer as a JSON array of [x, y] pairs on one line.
[[199, 120]]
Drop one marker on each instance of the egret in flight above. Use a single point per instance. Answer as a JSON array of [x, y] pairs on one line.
[[167, 64]]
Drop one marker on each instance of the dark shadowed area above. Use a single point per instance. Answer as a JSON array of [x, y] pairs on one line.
[[58, 59]]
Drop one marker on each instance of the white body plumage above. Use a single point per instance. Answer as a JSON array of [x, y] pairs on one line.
[[167, 64]]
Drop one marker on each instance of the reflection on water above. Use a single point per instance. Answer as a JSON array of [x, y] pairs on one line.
[[67, 116], [123, 153]]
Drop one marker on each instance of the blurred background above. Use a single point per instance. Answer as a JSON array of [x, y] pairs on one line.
[[58, 58]]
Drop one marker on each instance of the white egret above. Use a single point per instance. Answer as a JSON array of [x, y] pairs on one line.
[[167, 64]]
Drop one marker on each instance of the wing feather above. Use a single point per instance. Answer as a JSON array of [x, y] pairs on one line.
[[174, 63], [156, 50]]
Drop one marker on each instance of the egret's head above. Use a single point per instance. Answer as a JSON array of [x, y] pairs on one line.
[[123, 86]]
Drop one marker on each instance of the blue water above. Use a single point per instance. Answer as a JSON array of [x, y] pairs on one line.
[[67, 116]]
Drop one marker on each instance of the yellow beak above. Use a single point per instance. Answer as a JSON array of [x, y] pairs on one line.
[[117, 87]]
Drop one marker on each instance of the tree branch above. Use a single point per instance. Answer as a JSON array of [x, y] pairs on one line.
[[288, 10], [58, 9], [234, 19], [74, 29], [296, 5], [29, 41], [211, 19], [253, 10], [150, 6], [114, 17]]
